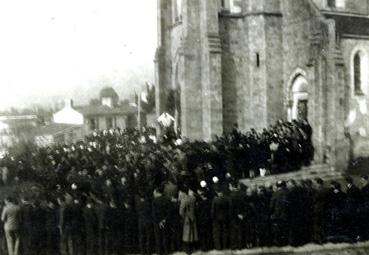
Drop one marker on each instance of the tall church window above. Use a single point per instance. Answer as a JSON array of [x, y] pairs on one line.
[[336, 3], [177, 10], [222, 3], [360, 72], [235, 6], [340, 3], [331, 3], [357, 74]]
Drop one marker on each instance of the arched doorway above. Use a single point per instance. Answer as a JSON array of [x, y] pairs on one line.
[[299, 98]]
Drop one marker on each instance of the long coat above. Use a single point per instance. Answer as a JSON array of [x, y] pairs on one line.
[[187, 212]]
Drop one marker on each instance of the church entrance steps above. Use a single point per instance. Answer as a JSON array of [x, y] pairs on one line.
[[323, 171], [326, 249]]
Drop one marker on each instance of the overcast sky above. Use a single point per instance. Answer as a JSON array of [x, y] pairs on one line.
[[52, 49]]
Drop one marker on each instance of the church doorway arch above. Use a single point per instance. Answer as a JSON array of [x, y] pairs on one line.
[[299, 98]]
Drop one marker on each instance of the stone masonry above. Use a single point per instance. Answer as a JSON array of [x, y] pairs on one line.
[[252, 62]]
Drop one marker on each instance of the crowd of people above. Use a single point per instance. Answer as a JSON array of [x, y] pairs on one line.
[[124, 191]]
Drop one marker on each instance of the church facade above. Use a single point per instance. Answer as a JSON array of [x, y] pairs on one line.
[[253, 62]]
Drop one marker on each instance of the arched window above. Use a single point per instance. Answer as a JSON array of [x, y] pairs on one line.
[[179, 7], [331, 3], [222, 4], [177, 10], [340, 3], [235, 6], [336, 3], [360, 72]]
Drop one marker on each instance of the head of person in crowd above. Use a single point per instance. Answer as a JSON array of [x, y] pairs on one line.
[[364, 180], [108, 183], [89, 203], [308, 183], [9, 200], [336, 187], [349, 182], [281, 185], [319, 182], [291, 183], [51, 203], [112, 203], [158, 192], [234, 185], [250, 191], [261, 190], [61, 200]]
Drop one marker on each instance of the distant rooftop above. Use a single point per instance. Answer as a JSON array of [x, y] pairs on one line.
[[93, 110], [55, 128]]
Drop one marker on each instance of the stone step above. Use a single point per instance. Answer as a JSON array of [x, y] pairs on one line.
[[309, 249], [322, 171]]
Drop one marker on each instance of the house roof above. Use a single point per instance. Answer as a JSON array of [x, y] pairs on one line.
[[55, 128], [93, 110], [348, 24]]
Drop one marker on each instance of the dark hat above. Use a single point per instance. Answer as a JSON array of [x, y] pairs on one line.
[[319, 181], [349, 180], [336, 185], [281, 184]]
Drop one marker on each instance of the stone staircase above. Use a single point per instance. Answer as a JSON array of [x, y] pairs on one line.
[[309, 249], [323, 171]]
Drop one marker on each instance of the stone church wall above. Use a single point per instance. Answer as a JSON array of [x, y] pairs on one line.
[[357, 119]]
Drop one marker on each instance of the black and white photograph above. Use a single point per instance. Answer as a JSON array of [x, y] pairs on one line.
[[205, 127]]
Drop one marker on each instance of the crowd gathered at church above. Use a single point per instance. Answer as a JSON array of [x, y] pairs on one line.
[[129, 192]]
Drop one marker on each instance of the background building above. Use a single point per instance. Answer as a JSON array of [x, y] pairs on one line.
[[105, 113], [252, 62]]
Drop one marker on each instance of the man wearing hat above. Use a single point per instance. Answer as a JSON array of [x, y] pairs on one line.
[[238, 216], [91, 224], [364, 208], [279, 214], [161, 212], [204, 224], [353, 201], [337, 208], [320, 215], [220, 210]]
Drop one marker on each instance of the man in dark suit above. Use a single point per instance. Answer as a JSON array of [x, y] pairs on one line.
[[27, 226], [353, 201], [237, 216], [337, 210], [262, 218], [160, 213], [203, 210], [279, 214], [73, 226], [51, 226], [100, 210], [320, 214], [91, 228], [296, 213], [113, 228], [364, 209], [143, 208], [220, 213]]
